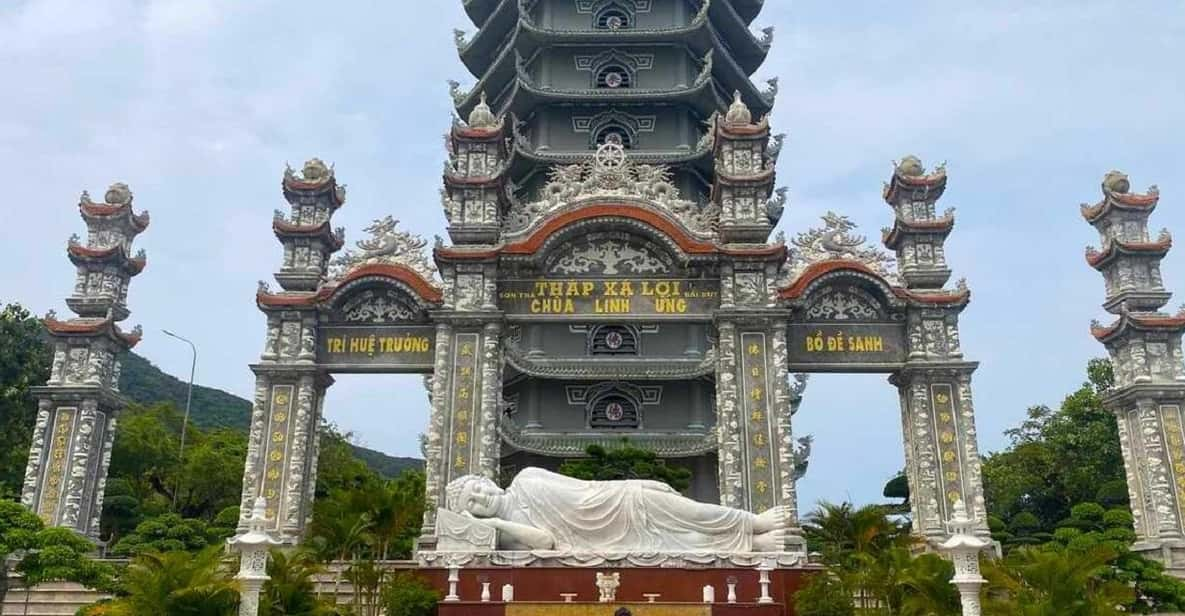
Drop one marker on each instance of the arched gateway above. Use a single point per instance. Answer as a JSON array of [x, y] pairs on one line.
[[610, 307]]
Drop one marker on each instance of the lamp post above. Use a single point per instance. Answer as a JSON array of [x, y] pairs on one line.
[[188, 400], [253, 547], [964, 548]]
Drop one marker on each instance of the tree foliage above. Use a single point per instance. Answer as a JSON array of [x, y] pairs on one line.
[[1056, 460], [24, 362], [626, 462], [175, 583]]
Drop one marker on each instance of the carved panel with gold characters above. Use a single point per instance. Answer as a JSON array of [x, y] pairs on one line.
[[761, 441], [275, 451], [463, 422], [1174, 438], [946, 434], [59, 458]]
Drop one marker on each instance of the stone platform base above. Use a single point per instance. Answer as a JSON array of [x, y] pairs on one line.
[[546, 586], [608, 609]]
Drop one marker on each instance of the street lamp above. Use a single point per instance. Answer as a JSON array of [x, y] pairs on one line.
[[188, 400]]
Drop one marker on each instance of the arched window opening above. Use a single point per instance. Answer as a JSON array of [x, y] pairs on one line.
[[614, 410], [613, 17], [614, 76], [613, 340], [614, 134]]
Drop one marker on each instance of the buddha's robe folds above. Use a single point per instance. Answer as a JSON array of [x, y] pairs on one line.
[[628, 516]]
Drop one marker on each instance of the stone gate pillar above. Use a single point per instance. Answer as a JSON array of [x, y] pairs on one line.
[[466, 389], [1144, 344], [284, 440], [754, 399], [76, 409], [937, 413]]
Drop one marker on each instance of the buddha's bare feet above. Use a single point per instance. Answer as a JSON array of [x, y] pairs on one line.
[[772, 541], [775, 518]]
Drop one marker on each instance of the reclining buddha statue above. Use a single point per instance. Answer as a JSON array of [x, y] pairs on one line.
[[544, 511]]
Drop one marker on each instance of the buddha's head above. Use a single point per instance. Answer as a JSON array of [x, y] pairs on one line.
[[475, 495]]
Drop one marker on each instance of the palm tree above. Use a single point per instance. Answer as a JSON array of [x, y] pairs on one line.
[[178, 584], [289, 589], [339, 534], [927, 588], [1042, 582]]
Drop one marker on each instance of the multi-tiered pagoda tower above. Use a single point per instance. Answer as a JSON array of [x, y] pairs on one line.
[[77, 407], [556, 80], [1145, 348]]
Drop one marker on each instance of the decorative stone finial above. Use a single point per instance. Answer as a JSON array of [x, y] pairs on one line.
[[118, 194], [315, 170], [911, 166], [482, 116], [738, 112], [258, 520], [1116, 182]]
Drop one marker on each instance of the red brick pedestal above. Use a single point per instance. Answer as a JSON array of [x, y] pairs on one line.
[[680, 590]]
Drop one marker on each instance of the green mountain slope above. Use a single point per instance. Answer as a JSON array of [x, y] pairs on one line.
[[144, 383]]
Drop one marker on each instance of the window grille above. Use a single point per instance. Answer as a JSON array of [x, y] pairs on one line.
[[613, 18], [614, 411], [614, 134], [614, 76], [613, 340]]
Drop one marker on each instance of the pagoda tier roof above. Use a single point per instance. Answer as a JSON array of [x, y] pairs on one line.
[[480, 10], [294, 184], [1138, 322], [83, 255], [901, 227], [92, 326], [285, 229], [574, 444], [927, 186], [113, 212], [1114, 248], [479, 51], [501, 27], [631, 368], [1128, 202], [527, 159], [426, 289], [527, 39], [958, 297]]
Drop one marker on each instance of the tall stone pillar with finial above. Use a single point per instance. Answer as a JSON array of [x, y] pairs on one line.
[[284, 443], [1148, 396], [937, 411], [77, 407]]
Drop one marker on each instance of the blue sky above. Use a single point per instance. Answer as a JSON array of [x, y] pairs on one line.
[[197, 104]]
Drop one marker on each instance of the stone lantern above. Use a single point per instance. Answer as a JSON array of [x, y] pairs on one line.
[[253, 547], [964, 548]]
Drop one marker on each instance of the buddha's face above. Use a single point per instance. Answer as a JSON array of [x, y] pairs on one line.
[[483, 500]]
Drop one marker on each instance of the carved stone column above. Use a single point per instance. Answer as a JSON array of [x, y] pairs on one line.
[[728, 421], [941, 450], [75, 426]]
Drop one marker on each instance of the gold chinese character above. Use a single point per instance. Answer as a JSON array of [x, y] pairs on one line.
[[467, 349], [945, 417], [270, 513], [762, 487], [948, 437], [941, 398], [757, 415], [948, 456], [463, 394], [754, 349], [952, 476], [462, 438], [281, 399], [466, 371], [756, 393], [277, 437], [271, 493], [278, 417], [954, 496], [462, 416], [273, 473], [759, 439], [276, 456], [760, 462], [756, 372], [459, 463]]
